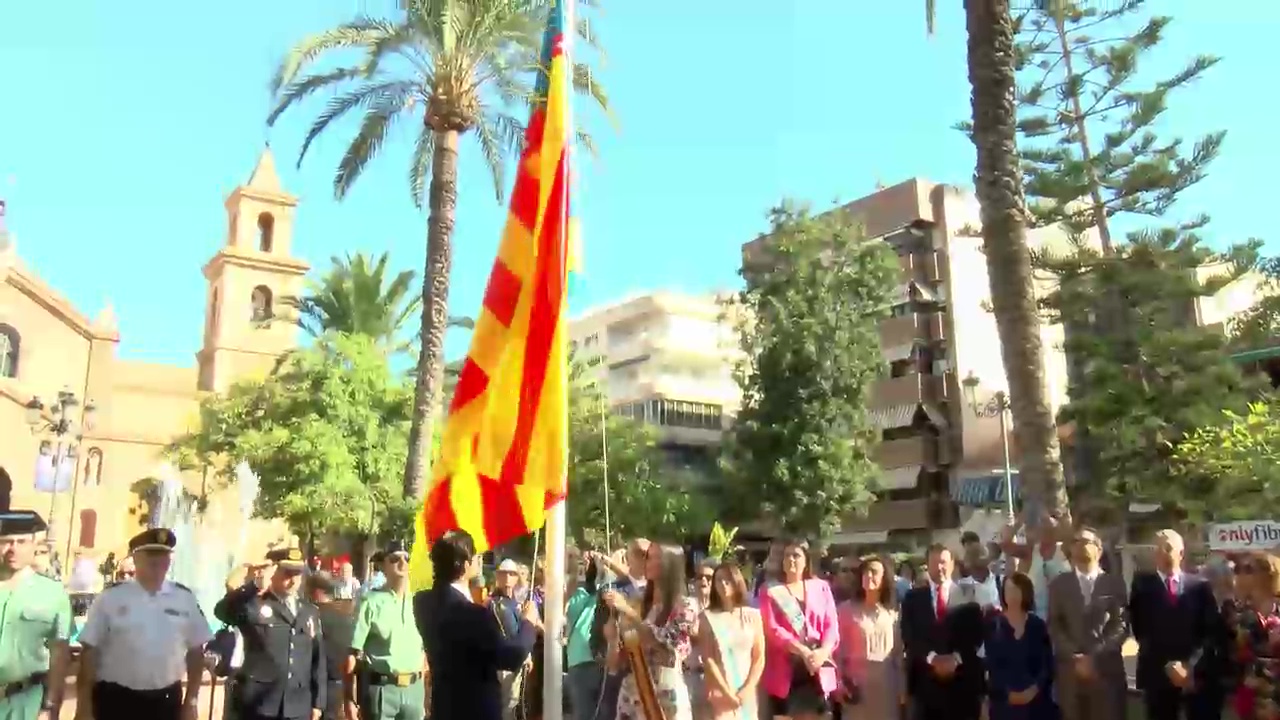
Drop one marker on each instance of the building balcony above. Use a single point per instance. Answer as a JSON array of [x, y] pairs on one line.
[[889, 515], [923, 450], [702, 437], [905, 330], [911, 389], [920, 266]]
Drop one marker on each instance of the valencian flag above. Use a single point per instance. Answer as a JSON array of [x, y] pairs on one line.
[[503, 455]]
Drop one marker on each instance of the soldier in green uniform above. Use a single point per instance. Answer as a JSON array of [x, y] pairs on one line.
[[388, 647], [35, 625]]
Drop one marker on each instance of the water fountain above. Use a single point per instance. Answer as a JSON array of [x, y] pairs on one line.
[[203, 558]]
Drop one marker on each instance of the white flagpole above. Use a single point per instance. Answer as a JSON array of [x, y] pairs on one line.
[[554, 533]]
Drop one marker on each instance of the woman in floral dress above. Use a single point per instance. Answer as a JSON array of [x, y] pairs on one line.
[[1257, 638], [665, 621]]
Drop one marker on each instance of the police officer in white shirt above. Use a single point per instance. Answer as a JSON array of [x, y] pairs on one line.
[[141, 637]]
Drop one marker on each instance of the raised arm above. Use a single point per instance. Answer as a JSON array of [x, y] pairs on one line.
[[233, 608]]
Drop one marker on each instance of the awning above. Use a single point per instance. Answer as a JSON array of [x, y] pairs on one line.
[[894, 416], [936, 416], [984, 490], [898, 353], [900, 478]]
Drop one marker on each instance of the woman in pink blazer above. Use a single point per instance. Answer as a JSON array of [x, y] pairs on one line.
[[801, 635]]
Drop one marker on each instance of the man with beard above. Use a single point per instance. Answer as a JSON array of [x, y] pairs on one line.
[[283, 676], [34, 627], [388, 646]]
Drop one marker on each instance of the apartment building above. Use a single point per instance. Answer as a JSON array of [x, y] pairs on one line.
[[665, 358], [939, 456]]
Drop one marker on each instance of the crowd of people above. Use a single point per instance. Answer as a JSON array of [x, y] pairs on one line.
[[1036, 635]]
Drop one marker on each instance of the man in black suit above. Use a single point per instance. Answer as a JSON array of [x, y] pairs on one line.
[[283, 676], [465, 646], [1174, 617], [941, 632]]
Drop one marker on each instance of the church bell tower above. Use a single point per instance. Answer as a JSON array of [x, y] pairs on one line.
[[244, 333]]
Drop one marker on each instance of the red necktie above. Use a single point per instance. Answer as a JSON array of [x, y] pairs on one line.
[[1171, 587], [942, 602]]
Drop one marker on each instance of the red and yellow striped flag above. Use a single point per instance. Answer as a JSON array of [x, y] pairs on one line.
[[504, 451]]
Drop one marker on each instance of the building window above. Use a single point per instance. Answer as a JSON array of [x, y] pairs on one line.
[[261, 301], [88, 528], [266, 232], [9, 346], [676, 413], [92, 468]]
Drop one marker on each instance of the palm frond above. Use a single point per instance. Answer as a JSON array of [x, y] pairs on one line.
[[492, 151], [382, 115], [360, 32], [420, 165], [299, 90], [363, 96]]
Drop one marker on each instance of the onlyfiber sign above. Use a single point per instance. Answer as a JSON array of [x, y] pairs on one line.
[[1244, 535]]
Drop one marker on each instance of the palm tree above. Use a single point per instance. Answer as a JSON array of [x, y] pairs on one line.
[[354, 297], [998, 181], [452, 67]]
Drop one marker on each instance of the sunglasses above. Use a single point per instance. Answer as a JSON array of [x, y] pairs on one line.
[[705, 576]]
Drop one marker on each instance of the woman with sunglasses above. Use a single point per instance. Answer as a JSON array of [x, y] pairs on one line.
[[1256, 626]]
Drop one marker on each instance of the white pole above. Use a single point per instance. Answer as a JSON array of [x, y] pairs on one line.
[[1004, 441], [554, 534], [604, 461]]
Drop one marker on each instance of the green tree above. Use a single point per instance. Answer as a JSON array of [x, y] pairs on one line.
[[800, 449], [1259, 326], [998, 185], [326, 436], [1140, 367], [646, 498], [448, 67], [1235, 462], [355, 297]]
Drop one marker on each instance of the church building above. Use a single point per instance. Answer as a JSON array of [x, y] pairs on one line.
[[95, 472]]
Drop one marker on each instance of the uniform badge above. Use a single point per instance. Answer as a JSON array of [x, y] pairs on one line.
[[265, 612]]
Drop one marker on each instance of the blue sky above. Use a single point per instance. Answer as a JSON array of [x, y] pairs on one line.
[[124, 125]]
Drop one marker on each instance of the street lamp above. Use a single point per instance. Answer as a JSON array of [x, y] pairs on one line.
[[997, 406], [59, 422]]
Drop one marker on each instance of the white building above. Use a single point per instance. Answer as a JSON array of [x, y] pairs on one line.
[[668, 359]]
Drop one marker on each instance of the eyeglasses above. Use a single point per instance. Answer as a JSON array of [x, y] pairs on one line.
[[705, 578]]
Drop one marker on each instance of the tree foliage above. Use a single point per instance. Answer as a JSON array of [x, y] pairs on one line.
[[1140, 366], [326, 436], [355, 297], [646, 498], [1236, 463], [800, 449]]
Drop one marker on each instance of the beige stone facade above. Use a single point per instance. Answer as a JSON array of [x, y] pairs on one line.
[[48, 345]]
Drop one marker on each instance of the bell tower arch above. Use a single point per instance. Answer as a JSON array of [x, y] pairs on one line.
[[247, 278]]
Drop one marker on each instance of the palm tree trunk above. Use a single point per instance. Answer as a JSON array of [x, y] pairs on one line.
[[443, 201], [998, 182]]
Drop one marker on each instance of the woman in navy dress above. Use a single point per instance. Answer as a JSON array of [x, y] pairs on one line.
[[1019, 658]]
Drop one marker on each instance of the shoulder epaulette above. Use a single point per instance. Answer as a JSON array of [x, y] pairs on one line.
[[181, 586]]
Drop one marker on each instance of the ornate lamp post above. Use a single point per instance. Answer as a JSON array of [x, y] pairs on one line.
[[60, 423], [997, 406]]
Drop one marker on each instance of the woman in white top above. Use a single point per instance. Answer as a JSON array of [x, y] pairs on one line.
[[731, 642]]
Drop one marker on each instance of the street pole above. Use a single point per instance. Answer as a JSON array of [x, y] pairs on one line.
[[604, 460], [1003, 402]]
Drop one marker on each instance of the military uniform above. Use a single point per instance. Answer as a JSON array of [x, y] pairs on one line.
[[283, 676], [387, 641], [337, 617], [35, 612], [143, 642]]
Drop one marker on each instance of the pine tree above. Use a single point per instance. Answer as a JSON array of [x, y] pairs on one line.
[[1143, 373], [800, 452]]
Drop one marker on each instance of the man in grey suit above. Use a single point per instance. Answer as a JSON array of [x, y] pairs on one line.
[[1088, 622]]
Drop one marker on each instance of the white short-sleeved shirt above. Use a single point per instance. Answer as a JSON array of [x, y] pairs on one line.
[[142, 639]]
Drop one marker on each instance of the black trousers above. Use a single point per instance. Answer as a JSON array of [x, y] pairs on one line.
[[117, 701], [1171, 704]]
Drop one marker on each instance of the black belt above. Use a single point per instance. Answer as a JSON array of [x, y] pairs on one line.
[[397, 679], [13, 688]]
